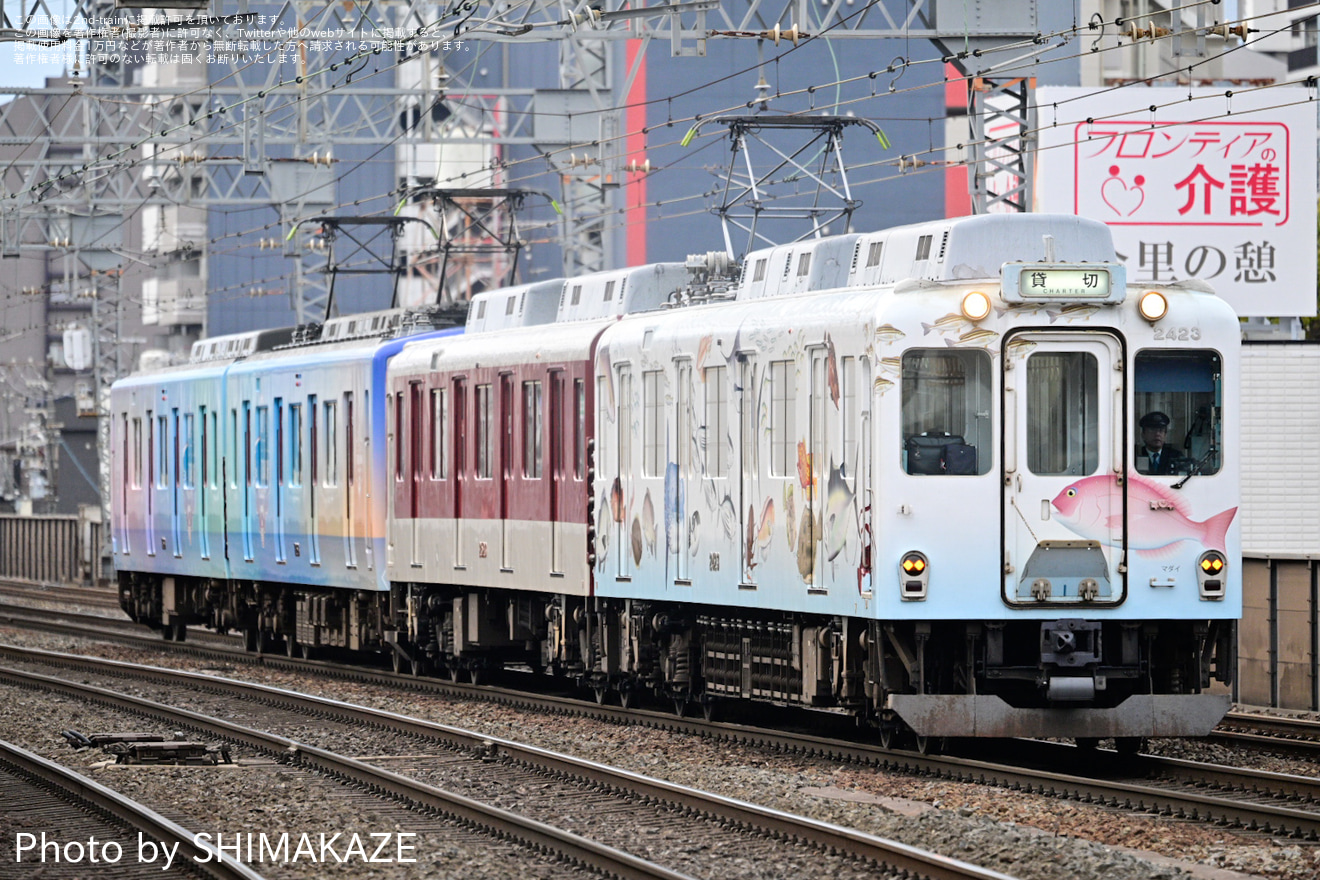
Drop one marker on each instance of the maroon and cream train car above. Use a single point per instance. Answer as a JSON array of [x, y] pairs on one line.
[[489, 441]]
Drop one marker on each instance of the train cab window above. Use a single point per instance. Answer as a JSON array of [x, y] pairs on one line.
[[531, 430], [1177, 402], [1063, 413], [485, 433], [262, 449], [947, 407]]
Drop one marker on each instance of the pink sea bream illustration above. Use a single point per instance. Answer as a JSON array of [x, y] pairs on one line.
[[1160, 516]]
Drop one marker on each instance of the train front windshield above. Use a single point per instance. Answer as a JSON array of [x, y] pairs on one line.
[[1178, 394]]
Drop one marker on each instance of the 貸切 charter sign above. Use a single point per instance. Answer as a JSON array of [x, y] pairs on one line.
[[1221, 187]]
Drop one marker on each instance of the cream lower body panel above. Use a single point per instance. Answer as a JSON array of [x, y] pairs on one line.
[[512, 555]]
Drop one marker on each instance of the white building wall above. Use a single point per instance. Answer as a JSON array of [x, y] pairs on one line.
[[1281, 449]]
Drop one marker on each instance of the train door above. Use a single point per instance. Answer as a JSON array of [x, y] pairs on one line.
[[278, 484], [414, 422], [557, 472], [174, 485], [1064, 492], [247, 481], [459, 445], [149, 484], [749, 448], [684, 428], [350, 485], [506, 422]]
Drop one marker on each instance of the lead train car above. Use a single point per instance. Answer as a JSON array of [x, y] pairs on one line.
[[249, 484], [914, 496]]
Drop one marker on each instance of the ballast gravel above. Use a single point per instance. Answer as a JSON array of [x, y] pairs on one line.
[[1023, 835]]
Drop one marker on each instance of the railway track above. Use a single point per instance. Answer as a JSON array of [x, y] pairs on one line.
[[41, 794], [1274, 803], [703, 821], [91, 596]]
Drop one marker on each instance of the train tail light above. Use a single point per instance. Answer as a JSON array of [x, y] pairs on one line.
[[1210, 574], [913, 576]]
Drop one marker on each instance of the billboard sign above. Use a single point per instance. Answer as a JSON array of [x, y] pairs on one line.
[[1221, 187]]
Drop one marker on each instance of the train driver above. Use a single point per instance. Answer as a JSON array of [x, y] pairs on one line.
[[1154, 456]]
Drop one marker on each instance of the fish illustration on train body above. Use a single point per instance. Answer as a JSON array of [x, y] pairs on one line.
[[1159, 519]]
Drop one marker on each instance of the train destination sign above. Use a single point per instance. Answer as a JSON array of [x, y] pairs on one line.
[[1044, 281]]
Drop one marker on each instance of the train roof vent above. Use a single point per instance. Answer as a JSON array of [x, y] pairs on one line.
[[363, 326], [637, 289], [944, 246]]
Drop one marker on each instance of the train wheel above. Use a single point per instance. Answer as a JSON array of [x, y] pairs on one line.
[[306, 650], [601, 692], [930, 745], [263, 641], [1129, 745], [290, 646], [250, 639], [680, 706], [887, 733], [708, 709], [628, 698], [454, 672], [1088, 743], [396, 661], [180, 632], [476, 675], [417, 667]]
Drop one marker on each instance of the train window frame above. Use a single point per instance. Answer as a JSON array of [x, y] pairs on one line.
[[186, 442], [163, 455], [137, 452], [485, 431], [394, 418], [1192, 413], [580, 432], [439, 433], [331, 427], [261, 447], [717, 458], [295, 446], [782, 376], [683, 417], [917, 404], [653, 423], [532, 428], [1079, 454], [848, 415]]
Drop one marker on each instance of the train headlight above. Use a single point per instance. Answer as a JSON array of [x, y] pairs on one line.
[[975, 305], [1153, 305], [1210, 570], [913, 576]]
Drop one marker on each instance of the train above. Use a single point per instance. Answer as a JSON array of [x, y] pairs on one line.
[[907, 476]]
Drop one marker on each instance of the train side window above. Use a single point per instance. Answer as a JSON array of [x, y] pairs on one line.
[[653, 423], [205, 441], [295, 445], [683, 419], [279, 441], [439, 431], [349, 450], [783, 430], [485, 433], [1186, 387], [331, 440], [716, 429], [532, 430], [262, 449], [947, 400], [233, 452], [580, 433]]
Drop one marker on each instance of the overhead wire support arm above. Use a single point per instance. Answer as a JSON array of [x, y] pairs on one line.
[[331, 227], [746, 203]]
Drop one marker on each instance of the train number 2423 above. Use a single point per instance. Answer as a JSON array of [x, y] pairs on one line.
[[1178, 334]]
